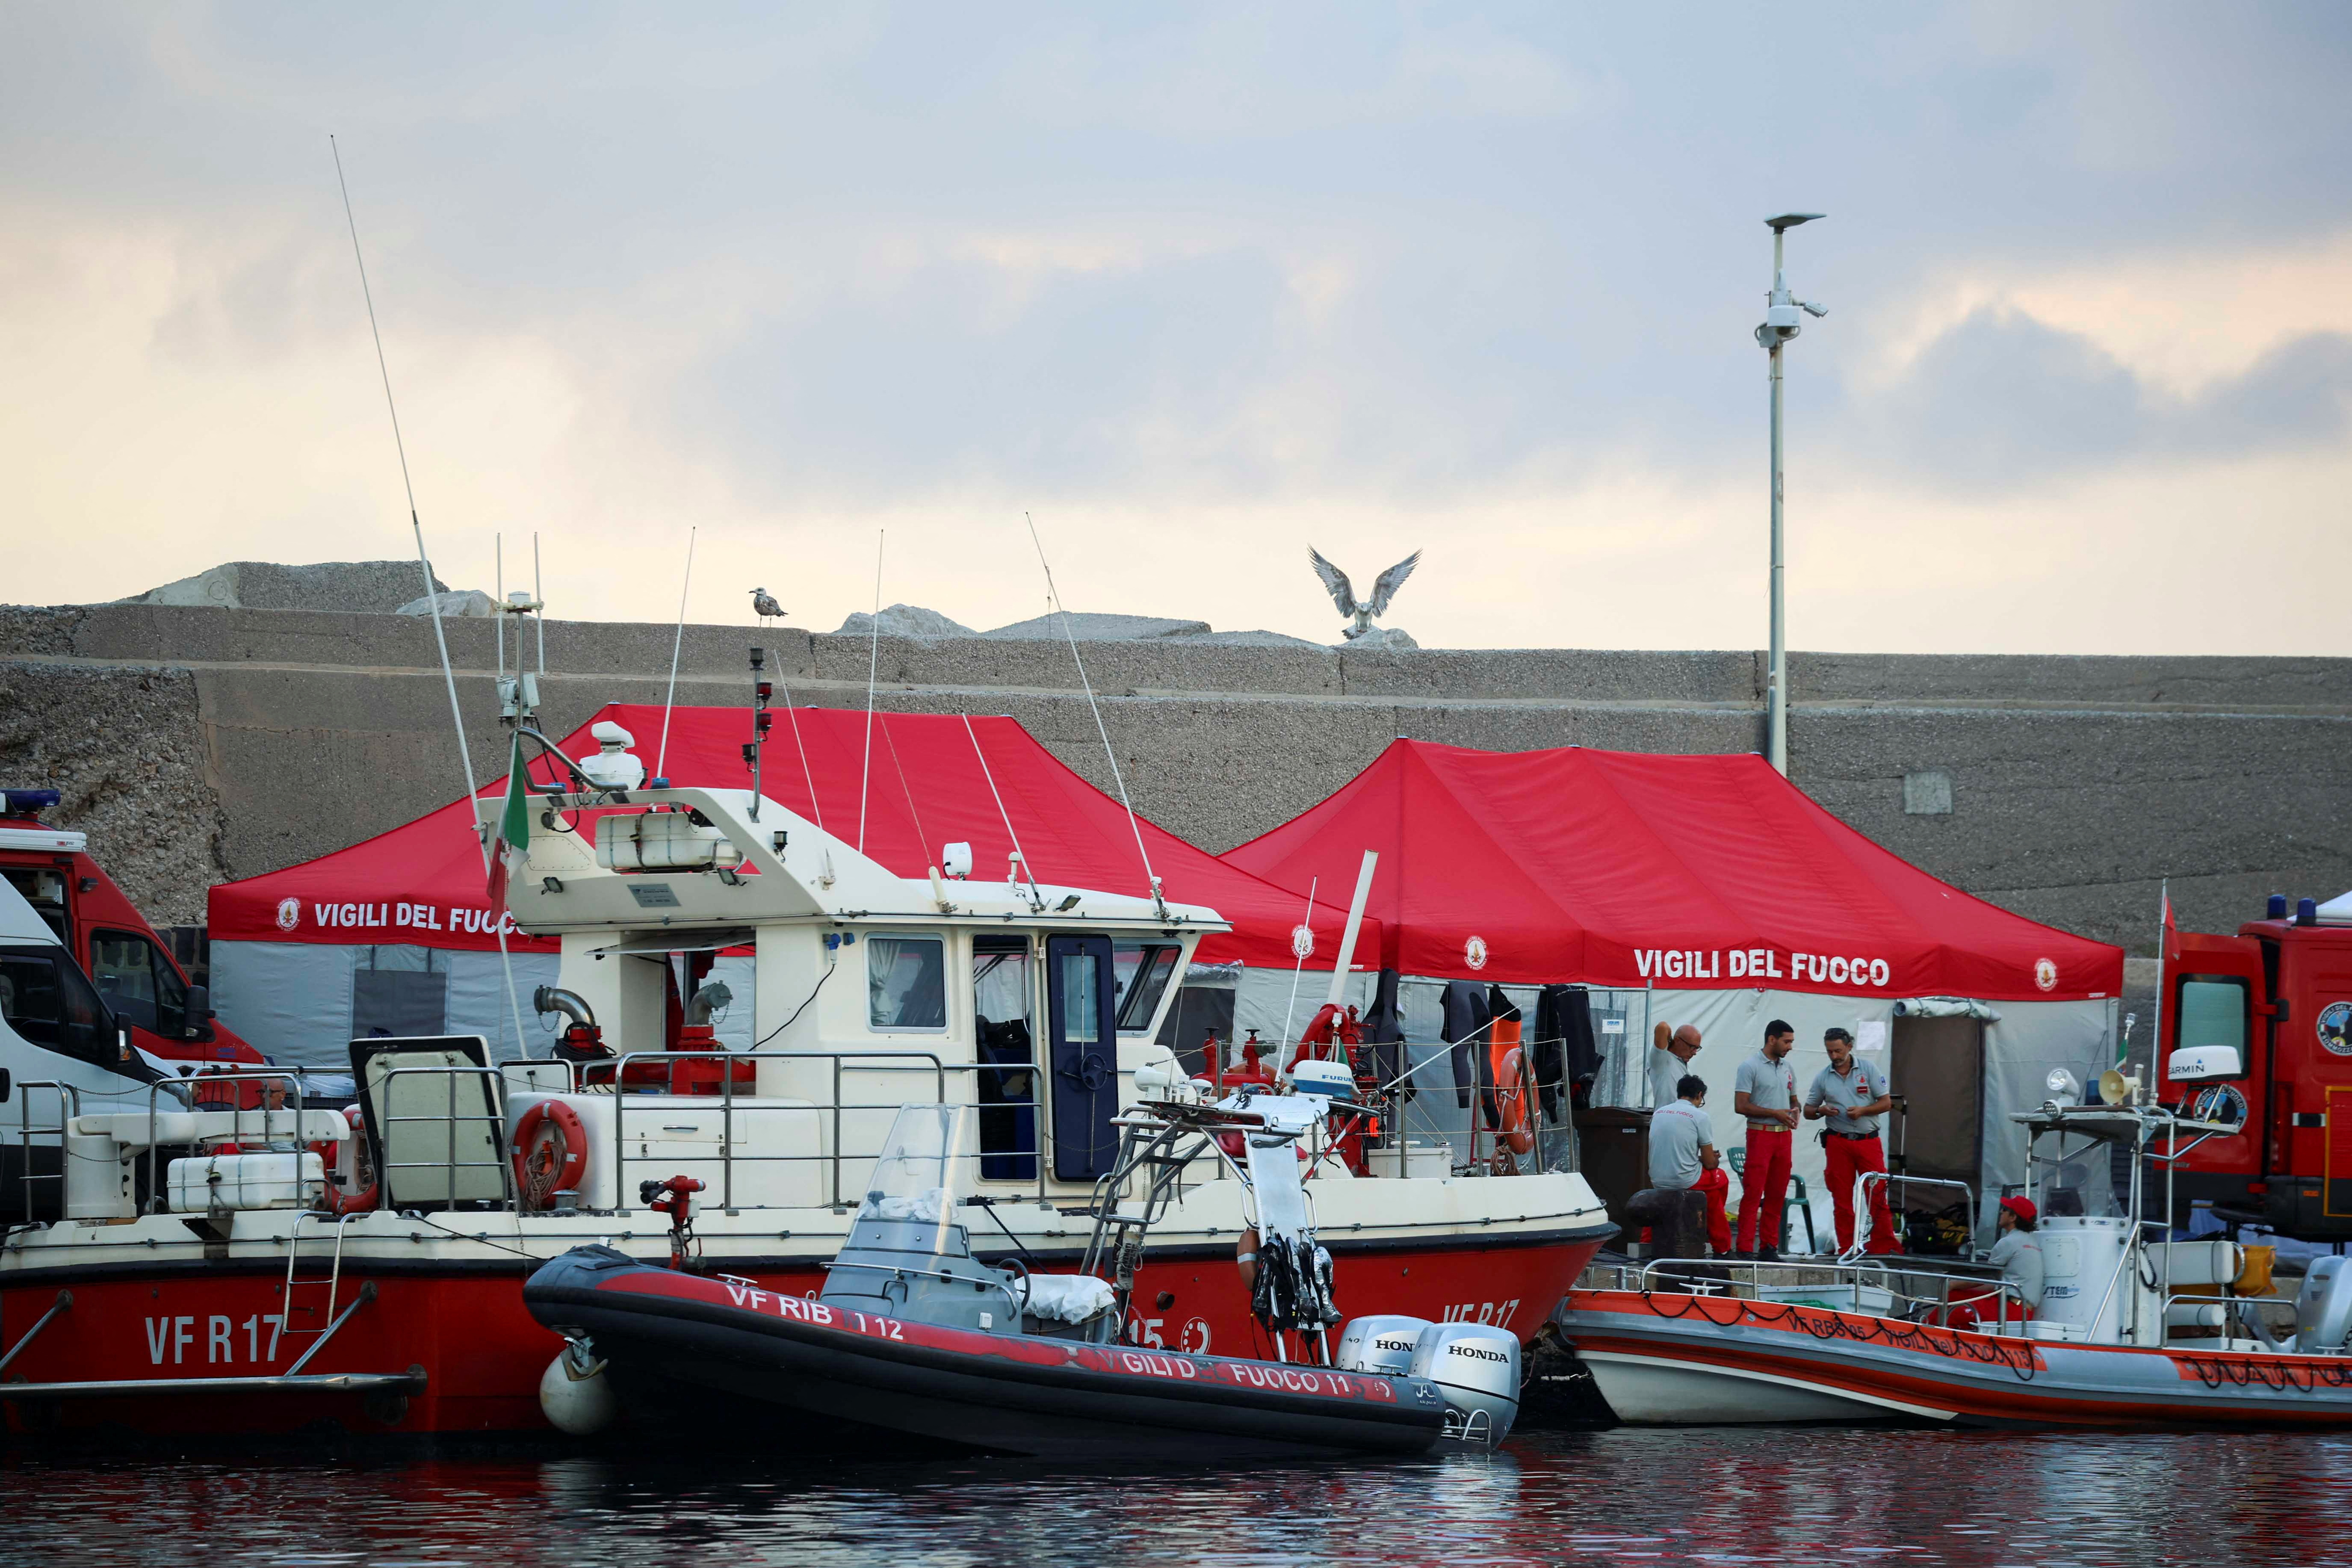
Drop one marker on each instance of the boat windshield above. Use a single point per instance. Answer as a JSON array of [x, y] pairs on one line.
[[915, 1177]]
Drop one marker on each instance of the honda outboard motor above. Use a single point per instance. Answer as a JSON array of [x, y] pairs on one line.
[[1477, 1367], [2323, 1308], [1383, 1343]]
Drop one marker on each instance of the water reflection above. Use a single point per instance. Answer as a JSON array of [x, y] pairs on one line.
[[1713, 1496]]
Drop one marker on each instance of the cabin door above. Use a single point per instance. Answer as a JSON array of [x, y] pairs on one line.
[[1083, 1046]]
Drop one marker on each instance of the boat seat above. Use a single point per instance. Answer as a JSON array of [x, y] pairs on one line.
[[2186, 1265]]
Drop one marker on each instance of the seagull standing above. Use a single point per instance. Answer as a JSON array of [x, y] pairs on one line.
[[765, 606], [1343, 594]]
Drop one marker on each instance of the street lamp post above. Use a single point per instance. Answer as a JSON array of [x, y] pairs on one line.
[[1782, 320]]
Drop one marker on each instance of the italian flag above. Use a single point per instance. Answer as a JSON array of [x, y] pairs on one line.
[[514, 830]]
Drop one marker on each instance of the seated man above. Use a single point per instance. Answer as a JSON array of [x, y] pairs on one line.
[[1682, 1156]]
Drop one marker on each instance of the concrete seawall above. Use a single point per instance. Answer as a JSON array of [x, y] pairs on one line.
[[197, 745]]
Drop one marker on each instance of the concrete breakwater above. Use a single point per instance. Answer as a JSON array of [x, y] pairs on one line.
[[197, 743]]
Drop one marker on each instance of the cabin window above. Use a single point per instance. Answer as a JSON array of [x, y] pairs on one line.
[[905, 983], [46, 1000], [2213, 1013], [1139, 973], [139, 982]]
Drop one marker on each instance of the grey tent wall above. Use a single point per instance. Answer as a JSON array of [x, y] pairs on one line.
[[293, 1001]]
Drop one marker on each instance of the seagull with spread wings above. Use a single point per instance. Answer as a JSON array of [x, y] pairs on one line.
[[1343, 592]]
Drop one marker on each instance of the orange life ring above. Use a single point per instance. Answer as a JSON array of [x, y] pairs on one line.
[[539, 1171], [1511, 1105]]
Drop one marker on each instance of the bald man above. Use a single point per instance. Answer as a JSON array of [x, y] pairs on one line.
[[1670, 1051], [1670, 1054]]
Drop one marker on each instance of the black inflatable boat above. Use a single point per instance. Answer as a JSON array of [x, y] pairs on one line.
[[984, 1388]]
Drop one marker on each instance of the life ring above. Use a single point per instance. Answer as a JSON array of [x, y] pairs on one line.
[[352, 1203], [1511, 1105], [1246, 1259], [540, 1171]]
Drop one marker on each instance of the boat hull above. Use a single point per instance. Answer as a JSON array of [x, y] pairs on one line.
[[1685, 1361], [1006, 1394], [460, 1324]]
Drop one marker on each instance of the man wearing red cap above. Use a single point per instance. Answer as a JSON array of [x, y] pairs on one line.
[[2018, 1255]]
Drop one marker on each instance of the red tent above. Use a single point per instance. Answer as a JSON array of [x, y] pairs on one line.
[[423, 883], [1623, 869]]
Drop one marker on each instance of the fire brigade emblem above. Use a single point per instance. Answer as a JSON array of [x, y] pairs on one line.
[[1473, 952], [1302, 941], [289, 913], [2335, 1027], [2219, 1103], [2045, 975]]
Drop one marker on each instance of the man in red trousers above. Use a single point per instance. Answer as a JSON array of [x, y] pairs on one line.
[[1765, 1092], [1850, 1095], [1670, 1056]]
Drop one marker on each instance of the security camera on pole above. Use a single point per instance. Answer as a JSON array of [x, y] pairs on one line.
[[1782, 322]]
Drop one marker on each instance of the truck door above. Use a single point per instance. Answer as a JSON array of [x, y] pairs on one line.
[[2214, 995], [1083, 1046], [2313, 1032]]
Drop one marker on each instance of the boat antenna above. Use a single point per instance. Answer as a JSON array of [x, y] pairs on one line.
[[498, 589], [1036, 899], [540, 616], [661, 758], [1053, 597], [432, 593], [873, 663], [906, 788], [1299, 947]]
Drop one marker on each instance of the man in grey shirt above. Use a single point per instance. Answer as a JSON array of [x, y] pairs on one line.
[[1848, 1097], [1670, 1058], [1765, 1092], [1682, 1156]]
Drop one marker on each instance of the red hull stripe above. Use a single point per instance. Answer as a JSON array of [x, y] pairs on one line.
[[850, 1326], [1975, 1387]]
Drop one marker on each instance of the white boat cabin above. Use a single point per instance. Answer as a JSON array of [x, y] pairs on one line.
[[1034, 1003]]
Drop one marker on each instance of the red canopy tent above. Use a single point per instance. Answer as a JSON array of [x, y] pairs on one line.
[[423, 883], [1625, 870]]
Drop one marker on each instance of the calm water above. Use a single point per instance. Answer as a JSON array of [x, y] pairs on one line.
[[1714, 1497]]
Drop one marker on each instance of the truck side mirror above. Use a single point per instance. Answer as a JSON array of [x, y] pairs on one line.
[[199, 1013]]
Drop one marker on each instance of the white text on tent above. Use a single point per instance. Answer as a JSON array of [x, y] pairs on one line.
[[1760, 963]]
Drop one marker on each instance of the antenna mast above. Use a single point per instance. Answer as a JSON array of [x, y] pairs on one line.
[[1055, 595], [432, 595], [661, 758]]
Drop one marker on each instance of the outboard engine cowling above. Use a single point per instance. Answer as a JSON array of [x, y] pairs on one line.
[[1477, 1367], [2323, 1308], [1383, 1343]]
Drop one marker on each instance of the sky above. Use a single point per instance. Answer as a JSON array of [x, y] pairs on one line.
[[1196, 288]]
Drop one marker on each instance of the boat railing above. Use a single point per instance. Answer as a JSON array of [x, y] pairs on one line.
[[1911, 1290], [838, 1107], [158, 1200], [492, 1117], [68, 1103], [1417, 1114], [1862, 1222]]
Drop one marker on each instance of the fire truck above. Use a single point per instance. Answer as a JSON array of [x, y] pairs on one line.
[[133, 967], [2256, 1034]]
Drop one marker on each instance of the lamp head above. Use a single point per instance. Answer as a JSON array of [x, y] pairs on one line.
[[1788, 221]]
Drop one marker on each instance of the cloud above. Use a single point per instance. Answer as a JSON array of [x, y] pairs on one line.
[[1196, 288]]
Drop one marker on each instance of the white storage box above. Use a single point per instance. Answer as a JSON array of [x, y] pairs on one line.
[[221, 1181]]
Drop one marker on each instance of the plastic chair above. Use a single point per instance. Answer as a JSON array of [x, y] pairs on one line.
[[1799, 1200]]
